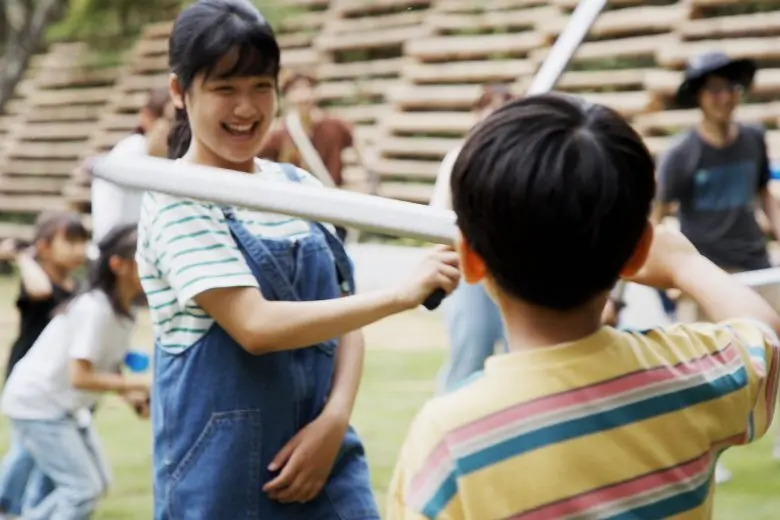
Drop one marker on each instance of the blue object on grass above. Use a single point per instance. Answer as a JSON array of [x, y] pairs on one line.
[[137, 361], [774, 170]]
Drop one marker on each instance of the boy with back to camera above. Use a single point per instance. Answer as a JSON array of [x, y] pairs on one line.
[[553, 197]]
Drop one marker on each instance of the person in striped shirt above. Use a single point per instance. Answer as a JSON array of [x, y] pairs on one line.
[[259, 348], [581, 420]]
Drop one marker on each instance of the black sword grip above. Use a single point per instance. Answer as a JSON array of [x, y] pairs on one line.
[[434, 300]]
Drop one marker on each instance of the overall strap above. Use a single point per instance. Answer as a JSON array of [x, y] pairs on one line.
[[252, 249], [344, 267]]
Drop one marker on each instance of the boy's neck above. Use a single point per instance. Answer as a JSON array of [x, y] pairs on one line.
[[530, 326]]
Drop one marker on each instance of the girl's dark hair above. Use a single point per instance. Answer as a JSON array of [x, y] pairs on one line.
[[203, 34], [50, 223], [156, 101], [120, 241]]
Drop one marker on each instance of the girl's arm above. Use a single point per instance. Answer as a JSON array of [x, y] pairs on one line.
[[83, 377], [35, 281], [261, 326], [346, 377]]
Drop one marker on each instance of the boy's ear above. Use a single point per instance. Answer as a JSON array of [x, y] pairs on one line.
[[641, 251], [177, 94], [472, 267]]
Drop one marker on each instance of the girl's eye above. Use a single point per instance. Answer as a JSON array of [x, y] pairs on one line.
[[225, 89], [264, 87]]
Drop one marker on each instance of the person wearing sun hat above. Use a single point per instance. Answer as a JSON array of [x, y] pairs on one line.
[[718, 172]]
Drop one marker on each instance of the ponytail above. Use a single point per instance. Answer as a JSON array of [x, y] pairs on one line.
[[179, 136]]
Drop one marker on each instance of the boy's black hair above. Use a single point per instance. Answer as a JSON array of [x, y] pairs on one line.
[[202, 35], [554, 194]]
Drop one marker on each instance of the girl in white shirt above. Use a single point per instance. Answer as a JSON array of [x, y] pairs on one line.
[[77, 358]]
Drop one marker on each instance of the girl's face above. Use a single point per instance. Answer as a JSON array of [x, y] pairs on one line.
[[229, 116], [66, 253], [126, 271]]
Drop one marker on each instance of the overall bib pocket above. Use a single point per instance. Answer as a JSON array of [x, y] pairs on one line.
[[231, 444]]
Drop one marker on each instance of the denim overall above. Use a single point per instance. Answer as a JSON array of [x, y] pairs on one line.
[[220, 414]]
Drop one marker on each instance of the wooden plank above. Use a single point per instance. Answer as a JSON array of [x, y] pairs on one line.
[[665, 82], [406, 191], [416, 147], [468, 71], [633, 21], [152, 47], [46, 167], [150, 64], [77, 78], [293, 40], [77, 195], [64, 113], [491, 20], [30, 150], [158, 30], [55, 131], [354, 8], [417, 97], [123, 122], [456, 123], [302, 21], [745, 25], [360, 113], [144, 82], [602, 79], [379, 38], [669, 121], [295, 58], [31, 185], [677, 55], [31, 204], [393, 168], [372, 23], [355, 89], [24, 232], [442, 48], [106, 140], [82, 96], [350, 70], [471, 6], [721, 3], [622, 48], [629, 104], [571, 4]]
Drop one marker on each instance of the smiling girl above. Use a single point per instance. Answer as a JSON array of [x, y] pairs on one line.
[[259, 351]]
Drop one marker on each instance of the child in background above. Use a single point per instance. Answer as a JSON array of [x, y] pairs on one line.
[[553, 198], [45, 271], [78, 357]]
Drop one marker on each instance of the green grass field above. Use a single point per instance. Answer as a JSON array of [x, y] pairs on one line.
[[395, 384]]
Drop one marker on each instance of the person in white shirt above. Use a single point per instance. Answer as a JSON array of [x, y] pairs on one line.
[[111, 204], [472, 319], [78, 357]]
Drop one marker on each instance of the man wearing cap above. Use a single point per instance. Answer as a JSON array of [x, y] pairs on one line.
[[718, 171]]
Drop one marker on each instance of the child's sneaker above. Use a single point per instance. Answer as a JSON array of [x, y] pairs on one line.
[[722, 475]]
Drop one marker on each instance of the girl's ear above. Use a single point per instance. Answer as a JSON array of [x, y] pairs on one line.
[[177, 93], [472, 267]]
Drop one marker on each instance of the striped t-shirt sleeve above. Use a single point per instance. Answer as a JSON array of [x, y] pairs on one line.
[[756, 352], [194, 250], [424, 483]]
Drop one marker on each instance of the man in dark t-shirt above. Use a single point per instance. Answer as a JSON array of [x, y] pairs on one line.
[[718, 172]]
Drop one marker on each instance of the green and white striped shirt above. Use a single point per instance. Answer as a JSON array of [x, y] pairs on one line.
[[185, 248]]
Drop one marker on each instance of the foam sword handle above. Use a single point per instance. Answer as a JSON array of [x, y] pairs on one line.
[[434, 299]]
